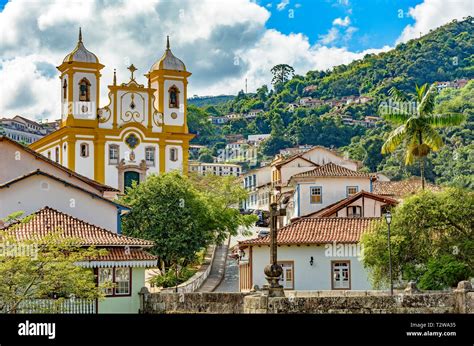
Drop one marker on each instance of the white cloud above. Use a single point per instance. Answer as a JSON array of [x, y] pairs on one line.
[[220, 45], [331, 36], [433, 13], [342, 21], [281, 6]]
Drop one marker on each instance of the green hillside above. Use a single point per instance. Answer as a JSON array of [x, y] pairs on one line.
[[445, 54]]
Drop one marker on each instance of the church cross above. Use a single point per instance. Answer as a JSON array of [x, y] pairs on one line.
[[132, 69]]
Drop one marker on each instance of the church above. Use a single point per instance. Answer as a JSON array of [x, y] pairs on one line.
[[142, 130]]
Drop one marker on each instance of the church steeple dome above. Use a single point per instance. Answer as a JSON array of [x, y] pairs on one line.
[[168, 61], [80, 53]]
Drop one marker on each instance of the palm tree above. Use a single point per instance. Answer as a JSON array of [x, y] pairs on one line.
[[417, 124]]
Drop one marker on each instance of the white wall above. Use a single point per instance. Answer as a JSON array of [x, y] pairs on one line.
[[168, 120], [30, 195], [172, 165], [294, 167], [371, 208], [85, 165], [92, 106], [333, 190], [322, 156], [307, 277]]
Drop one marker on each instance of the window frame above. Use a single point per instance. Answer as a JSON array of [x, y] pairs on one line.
[[176, 90], [86, 145], [171, 154], [333, 263], [292, 264], [88, 89], [349, 187], [114, 146], [358, 207], [311, 194], [150, 163], [114, 282]]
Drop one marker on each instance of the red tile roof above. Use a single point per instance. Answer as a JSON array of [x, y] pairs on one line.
[[403, 188], [333, 208], [48, 220], [332, 170], [318, 231], [122, 254]]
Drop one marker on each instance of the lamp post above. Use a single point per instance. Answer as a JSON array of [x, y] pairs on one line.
[[273, 271], [388, 219]]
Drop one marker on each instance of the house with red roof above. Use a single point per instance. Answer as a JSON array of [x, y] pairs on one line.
[[315, 254]]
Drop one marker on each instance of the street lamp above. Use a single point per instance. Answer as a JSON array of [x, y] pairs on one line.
[[273, 271], [388, 219]]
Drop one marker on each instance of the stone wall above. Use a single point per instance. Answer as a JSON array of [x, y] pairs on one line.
[[412, 301]]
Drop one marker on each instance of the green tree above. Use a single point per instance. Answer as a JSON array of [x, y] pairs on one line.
[[428, 231], [205, 155], [282, 73], [181, 216], [417, 124], [44, 268]]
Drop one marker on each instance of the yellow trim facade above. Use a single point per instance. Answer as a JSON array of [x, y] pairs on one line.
[[133, 121]]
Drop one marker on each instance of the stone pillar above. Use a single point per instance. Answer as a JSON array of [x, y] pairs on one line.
[[143, 294], [464, 298]]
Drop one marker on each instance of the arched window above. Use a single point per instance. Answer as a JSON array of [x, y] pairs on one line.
[[84, 150], [173, 97], [56, 154], [65, 89], [84, 90], [174, 154]]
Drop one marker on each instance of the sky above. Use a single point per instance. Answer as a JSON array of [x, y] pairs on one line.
[[222, 42]]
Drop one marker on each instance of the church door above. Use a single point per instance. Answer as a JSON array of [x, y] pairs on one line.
[[129, 177]]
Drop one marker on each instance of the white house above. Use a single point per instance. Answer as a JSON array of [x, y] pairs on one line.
[[324, 185], [257, 183], [315, 254], [257, 139], [221, 169]]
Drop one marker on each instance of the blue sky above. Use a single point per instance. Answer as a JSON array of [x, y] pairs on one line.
[[377, 22], [223, 43]]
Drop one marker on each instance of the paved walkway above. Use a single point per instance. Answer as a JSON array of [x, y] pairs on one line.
[[217, 269]]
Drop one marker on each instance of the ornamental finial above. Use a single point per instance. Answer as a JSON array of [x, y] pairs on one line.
[[115, 77], [132, 69], [167, 42], [80, 35]]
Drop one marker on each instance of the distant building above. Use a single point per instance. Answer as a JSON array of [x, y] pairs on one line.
[[221, 169], [253, 113], [455, 84], [25, 130], [294, 151], [194, 149], [257, 139], [233, 116], [218, 120], [309, 89]]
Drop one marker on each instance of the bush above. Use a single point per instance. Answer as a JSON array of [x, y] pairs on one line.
[[170, 279], [443, 272]]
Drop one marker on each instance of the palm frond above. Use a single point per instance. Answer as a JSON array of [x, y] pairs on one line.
[[448, 119], [397, 95], [432, 138], [396, 118], [394, 140], [427, 102]]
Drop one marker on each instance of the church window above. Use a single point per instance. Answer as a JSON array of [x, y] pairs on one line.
[[84, 90], [174, 154], [49, 155], [113, 154], [65, 89], [56, 154], [150, 156], [84, 150], [173, 97]]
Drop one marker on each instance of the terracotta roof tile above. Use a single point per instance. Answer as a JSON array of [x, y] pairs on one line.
[[318, 231], [48, 220], [403, 188], [333, 208], [332, 170], [122, 254]]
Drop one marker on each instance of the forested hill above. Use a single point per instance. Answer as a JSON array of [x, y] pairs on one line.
[[444, 54]]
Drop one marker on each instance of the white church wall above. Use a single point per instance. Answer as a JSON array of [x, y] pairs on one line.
[[89, 112], [85, 165], [179, 121], [173, 165]]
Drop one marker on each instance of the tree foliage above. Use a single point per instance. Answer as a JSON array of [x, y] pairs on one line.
[[432, 239], [45, 268]]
